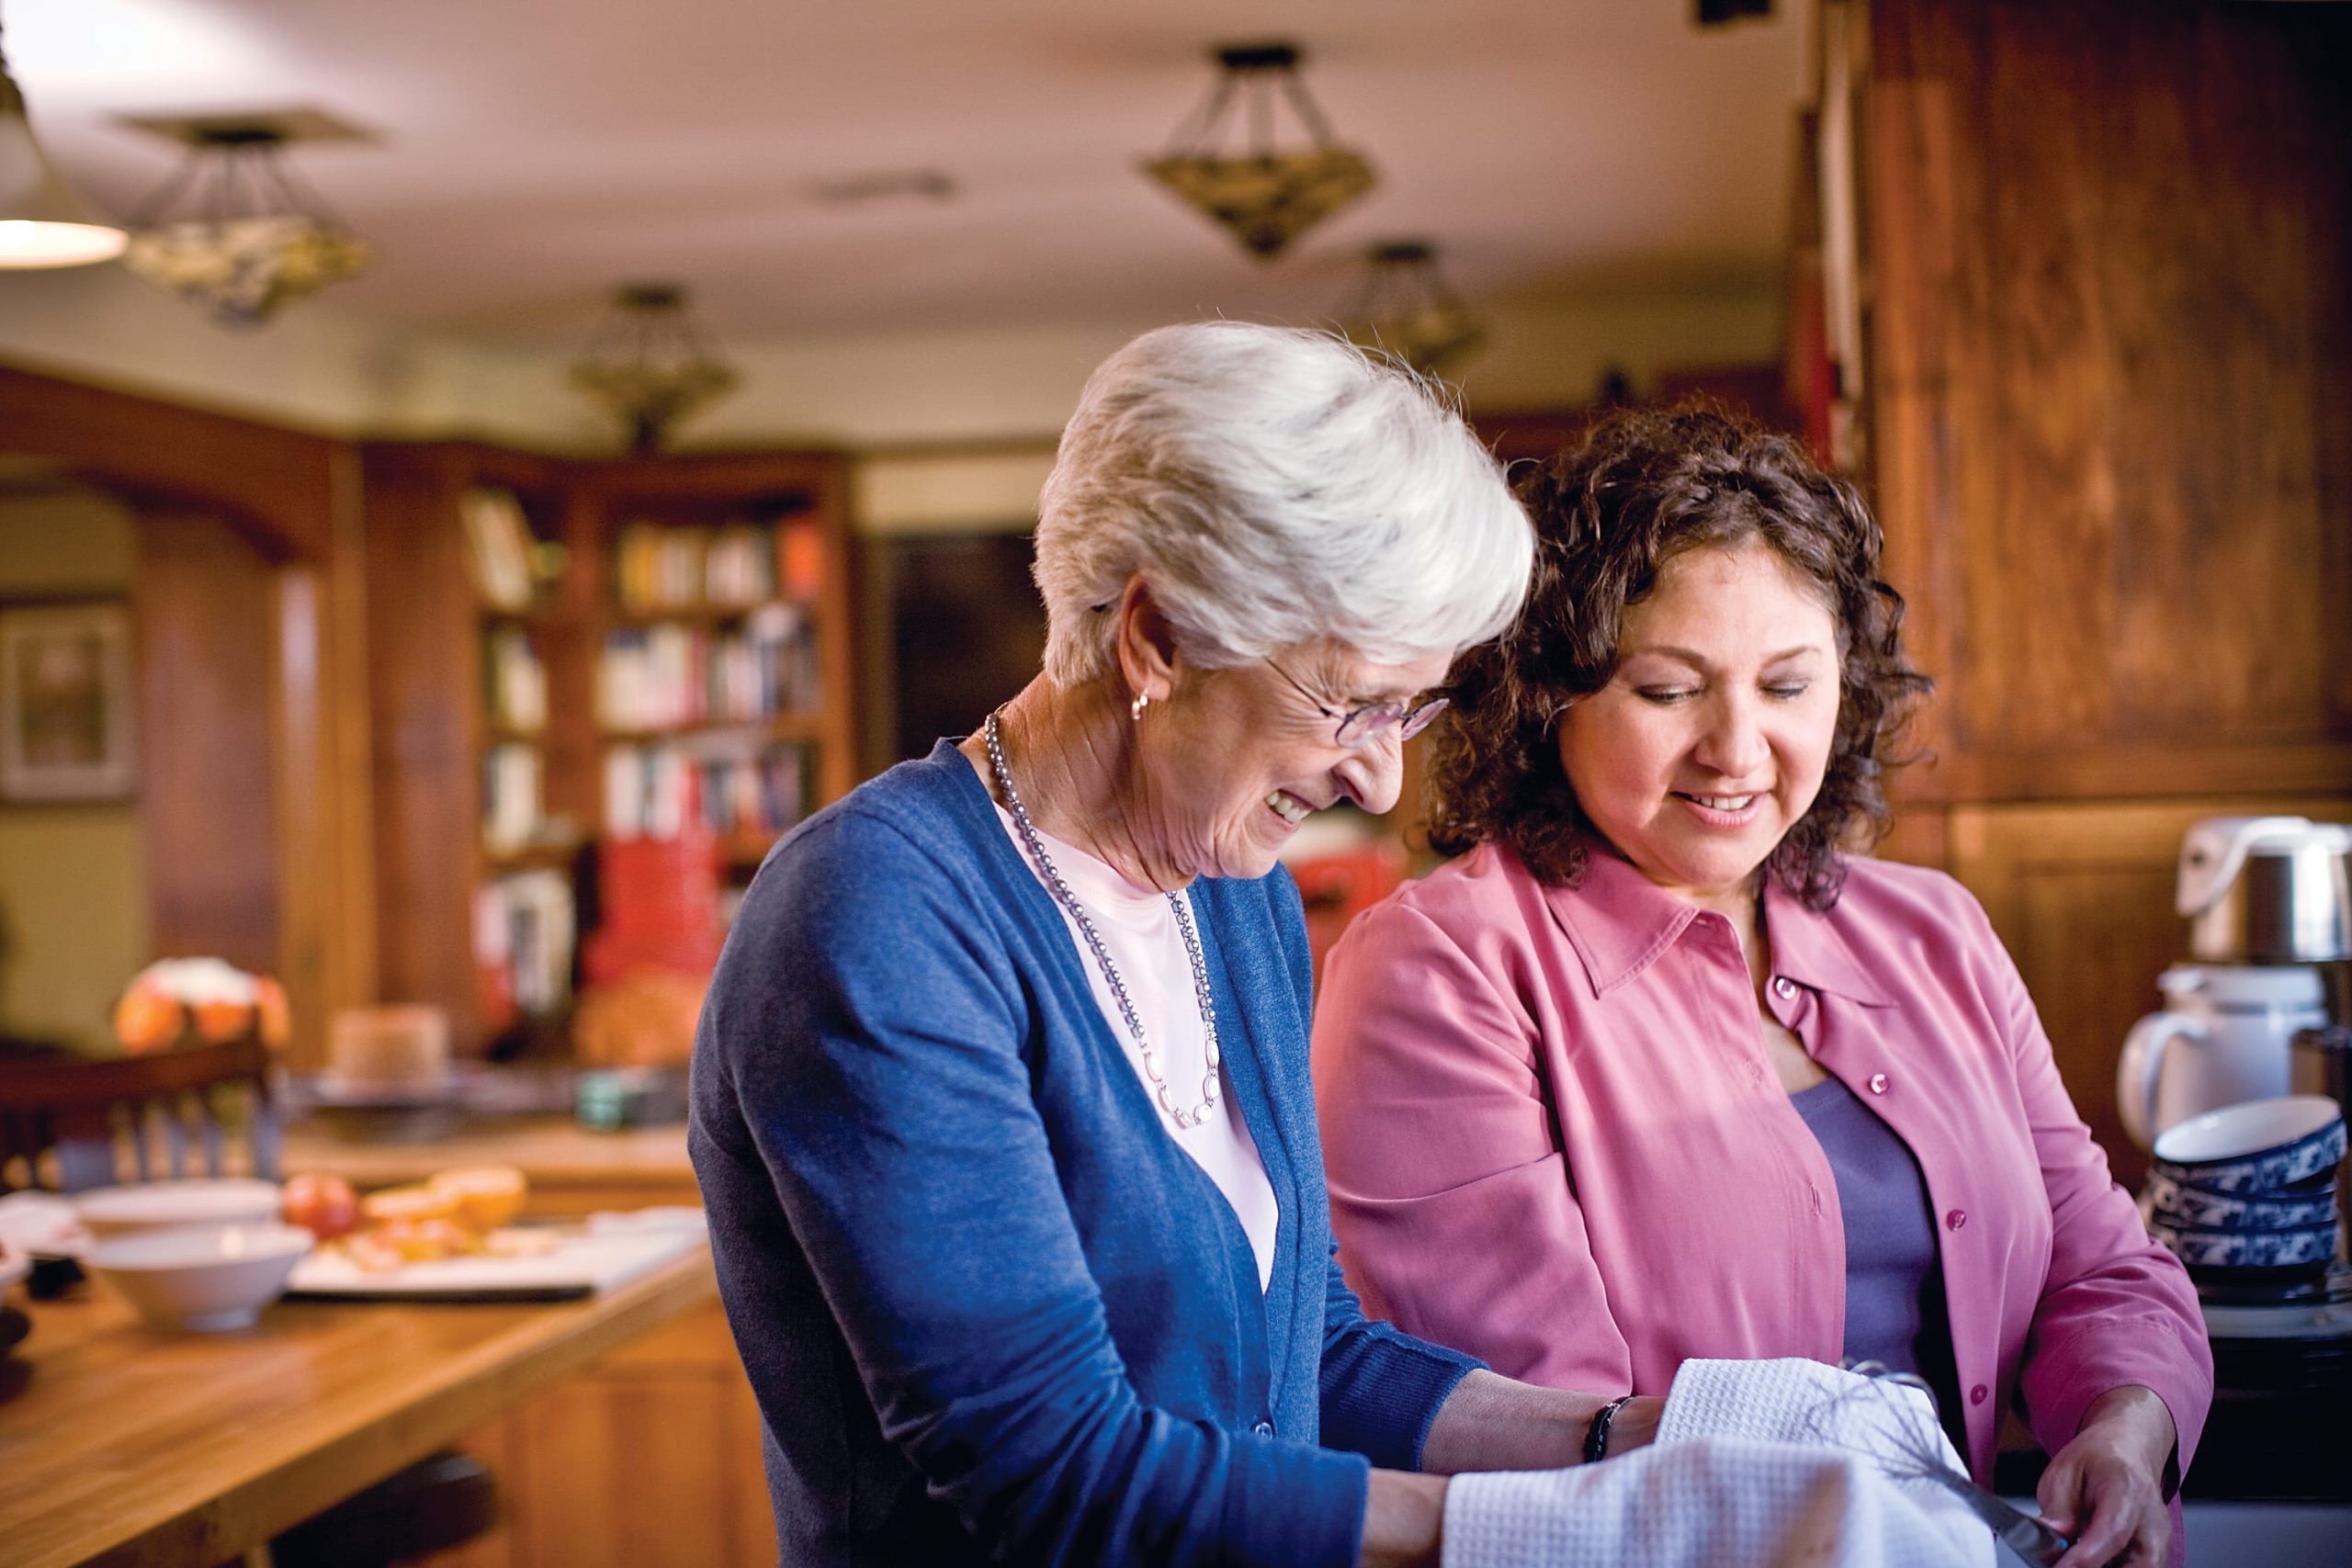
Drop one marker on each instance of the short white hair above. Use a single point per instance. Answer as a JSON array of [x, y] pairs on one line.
[[1275, 487]]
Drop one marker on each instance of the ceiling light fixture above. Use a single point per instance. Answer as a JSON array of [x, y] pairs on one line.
[[233, 232], [1403, 306], [1266, 198], [649, 366], [41, 224]]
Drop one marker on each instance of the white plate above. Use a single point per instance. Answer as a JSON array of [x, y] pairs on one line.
[[43, 1224], [580, 1264]]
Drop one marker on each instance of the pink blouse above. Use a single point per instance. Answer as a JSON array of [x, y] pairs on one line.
[[1555, 1140]]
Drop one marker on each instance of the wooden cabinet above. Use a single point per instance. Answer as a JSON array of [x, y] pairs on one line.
[[2103, 257], [442, 736], [2107, 251], [649, 1460]]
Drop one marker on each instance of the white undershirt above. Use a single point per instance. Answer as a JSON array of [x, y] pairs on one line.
[[1139, 931]]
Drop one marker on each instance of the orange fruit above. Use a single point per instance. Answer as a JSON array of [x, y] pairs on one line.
[[147, 1020], [487, 1196], [413, 1204], [218, 1021], [423, 1241]]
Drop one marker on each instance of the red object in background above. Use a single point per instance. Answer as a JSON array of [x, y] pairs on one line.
[[801, 560], [1338, 887], [659, 907]]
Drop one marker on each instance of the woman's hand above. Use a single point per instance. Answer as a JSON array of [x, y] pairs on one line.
[[2106, 1488]]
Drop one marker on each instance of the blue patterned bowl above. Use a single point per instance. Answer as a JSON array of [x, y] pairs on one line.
[[2186, 1205], [2256, 1146], [2208, 1247]]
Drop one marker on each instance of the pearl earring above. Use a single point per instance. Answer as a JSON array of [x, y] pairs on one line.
[[1135, 709]]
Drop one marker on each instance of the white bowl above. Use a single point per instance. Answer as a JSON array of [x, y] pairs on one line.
[[2255, 1145], [199, 1277], [152, 1205]]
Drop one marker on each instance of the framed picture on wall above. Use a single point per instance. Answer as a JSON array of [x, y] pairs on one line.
[[66, 730]]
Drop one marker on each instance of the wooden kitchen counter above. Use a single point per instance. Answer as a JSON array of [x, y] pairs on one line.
[[573, 1169], [132, 1448], [651, 1457]]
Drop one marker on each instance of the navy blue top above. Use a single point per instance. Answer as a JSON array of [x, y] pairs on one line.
[[988, 1308], [1895, 1296]]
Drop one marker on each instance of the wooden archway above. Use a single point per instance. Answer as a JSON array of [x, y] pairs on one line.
[[294, 497]]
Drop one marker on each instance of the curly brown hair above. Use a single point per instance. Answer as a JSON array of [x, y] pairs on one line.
[[1644, 487]]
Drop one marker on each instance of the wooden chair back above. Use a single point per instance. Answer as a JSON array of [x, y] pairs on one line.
[[138, 1119]]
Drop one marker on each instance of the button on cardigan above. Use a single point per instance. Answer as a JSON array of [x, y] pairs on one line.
[[1557, 1141], [989, 1310]]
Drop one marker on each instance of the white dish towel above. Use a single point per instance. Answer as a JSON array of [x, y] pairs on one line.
[[1758, 1465]]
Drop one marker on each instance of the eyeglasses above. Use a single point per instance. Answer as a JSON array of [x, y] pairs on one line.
[[1359, 726]]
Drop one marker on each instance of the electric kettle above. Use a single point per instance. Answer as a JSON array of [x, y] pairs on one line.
[[2269, 901], [2267, 890]]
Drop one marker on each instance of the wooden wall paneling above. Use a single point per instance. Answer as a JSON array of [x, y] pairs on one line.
[[2328, 198], [272, 480], [1915, 231], [1921, 835], [423, 681], [350, 796], [2106, 246], [838, 770], [2082, 895], [301, 720], [207, 612], [290, 495]]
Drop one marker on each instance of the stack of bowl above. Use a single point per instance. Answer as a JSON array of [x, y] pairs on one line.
[[2245, 1195]]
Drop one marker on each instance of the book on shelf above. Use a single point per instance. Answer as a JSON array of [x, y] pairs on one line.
[[801, 558], [735, 566], [737, 793], [498, 541], [511, 816], [525, 934], [658, 568], [739, 567], [669, 674], [516, 679]]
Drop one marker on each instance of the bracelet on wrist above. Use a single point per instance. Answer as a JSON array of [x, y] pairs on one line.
[[1596, 1436]]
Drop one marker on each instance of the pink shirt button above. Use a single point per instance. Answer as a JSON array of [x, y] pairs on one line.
[[1878, 1083], [1784, 987], [1956, 1219], [1976, 1396]]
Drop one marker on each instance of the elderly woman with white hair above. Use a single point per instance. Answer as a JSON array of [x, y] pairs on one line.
[[1000, 1104]]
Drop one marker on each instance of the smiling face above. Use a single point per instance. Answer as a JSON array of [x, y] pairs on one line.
[[1239, 758], [1710, 741]]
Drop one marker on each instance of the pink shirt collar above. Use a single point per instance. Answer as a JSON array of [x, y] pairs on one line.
[[1619, 921]]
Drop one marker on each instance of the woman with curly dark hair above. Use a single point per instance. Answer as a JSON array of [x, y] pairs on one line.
[[1664, 1066]]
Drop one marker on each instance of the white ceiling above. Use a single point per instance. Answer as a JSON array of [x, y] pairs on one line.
[[531, 154]]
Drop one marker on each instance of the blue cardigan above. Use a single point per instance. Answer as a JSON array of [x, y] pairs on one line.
[[990, 1309]]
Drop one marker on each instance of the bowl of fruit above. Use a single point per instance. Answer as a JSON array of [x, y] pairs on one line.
[[181, 1001]]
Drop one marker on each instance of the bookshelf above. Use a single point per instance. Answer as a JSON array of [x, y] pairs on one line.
[[592, 681]]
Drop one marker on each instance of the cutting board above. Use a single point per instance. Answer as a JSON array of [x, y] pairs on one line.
[[582, 1264]]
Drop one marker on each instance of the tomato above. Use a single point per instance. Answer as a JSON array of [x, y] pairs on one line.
[[322, 1204]]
